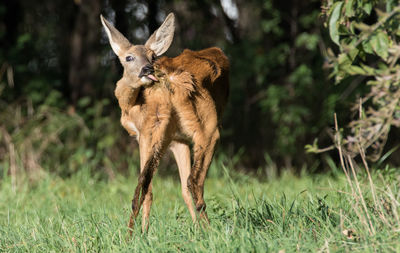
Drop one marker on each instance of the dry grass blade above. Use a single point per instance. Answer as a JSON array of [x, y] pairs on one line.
[[377, 205], [361, 197]]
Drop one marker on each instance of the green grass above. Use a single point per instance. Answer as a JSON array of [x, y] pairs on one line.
[[303, 214]]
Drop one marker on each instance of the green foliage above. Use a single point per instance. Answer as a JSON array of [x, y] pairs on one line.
[[42, 139], [334, 17], [367, 33]]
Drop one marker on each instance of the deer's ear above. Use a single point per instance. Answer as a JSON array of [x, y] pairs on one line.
[[161, 39], [118, 41]]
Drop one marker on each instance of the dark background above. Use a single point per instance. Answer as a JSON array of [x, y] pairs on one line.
[[58, 73]]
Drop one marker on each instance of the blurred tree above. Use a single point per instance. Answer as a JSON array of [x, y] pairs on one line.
[[84, 49], [280, 90]]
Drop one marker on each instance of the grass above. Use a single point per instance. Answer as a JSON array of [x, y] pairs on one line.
[[289, 214]]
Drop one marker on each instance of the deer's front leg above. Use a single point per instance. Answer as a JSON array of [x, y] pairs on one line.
[[145, 155], [143, 193], [148, 199], [153, 142]]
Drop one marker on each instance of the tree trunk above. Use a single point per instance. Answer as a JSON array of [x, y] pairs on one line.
[[84, 57]]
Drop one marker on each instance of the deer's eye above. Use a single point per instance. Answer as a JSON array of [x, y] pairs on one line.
[[130, 58]]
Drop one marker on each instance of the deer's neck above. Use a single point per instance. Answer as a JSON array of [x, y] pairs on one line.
[[126, 95]]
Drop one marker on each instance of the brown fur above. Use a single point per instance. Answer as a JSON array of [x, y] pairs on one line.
[[184, 107]]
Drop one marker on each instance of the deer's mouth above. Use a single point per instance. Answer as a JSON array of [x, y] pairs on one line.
[[148, 72]]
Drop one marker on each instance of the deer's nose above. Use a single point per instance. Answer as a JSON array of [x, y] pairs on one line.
[[146, 70]]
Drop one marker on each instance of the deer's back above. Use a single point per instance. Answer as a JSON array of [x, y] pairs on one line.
[[209, 69]]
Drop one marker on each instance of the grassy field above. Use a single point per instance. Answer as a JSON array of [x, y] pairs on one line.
[[290, 214]]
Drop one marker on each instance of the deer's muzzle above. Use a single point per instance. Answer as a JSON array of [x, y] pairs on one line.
[[146, 71]]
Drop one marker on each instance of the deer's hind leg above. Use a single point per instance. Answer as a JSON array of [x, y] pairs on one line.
[[203, 153], [202, 173], [181, 153], [200, 122]]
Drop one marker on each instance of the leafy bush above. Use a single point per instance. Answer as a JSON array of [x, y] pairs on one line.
[[367, 37]]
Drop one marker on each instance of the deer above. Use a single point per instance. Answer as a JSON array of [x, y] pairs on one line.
[[170, 103]]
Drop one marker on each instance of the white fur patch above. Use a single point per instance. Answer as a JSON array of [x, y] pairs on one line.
[[132, 127], [145, 80]]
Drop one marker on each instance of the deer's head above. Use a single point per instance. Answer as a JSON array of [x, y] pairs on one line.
[[137, 60]]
